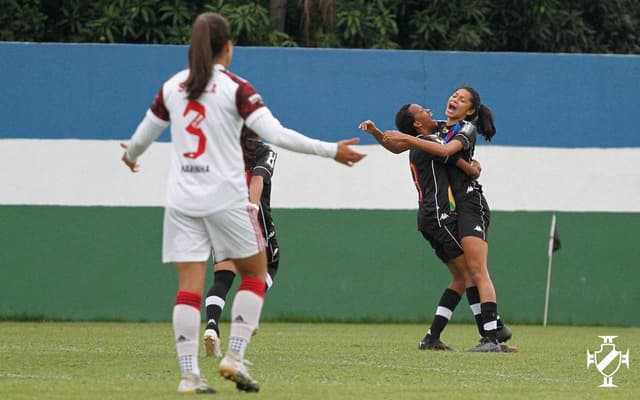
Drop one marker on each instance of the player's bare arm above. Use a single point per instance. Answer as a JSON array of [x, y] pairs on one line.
[[472, 169], [437, 149], [256, 186], [371, 128]]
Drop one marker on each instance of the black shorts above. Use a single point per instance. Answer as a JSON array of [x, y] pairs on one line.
[[443, 239], [474, 216]]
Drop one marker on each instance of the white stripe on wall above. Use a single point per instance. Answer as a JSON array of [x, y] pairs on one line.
[[89, 172]]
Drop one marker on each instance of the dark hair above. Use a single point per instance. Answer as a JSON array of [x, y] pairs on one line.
[[405, 121], [482, 117], [209, 34], [249, 141]]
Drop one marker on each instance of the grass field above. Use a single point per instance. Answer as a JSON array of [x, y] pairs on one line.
[[312, 361]]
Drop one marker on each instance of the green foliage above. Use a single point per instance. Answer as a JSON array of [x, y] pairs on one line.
[[366, 24], [582, 26], [22, 21], [451, 25]]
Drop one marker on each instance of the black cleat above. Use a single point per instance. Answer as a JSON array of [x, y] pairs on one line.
[[246, 387], [433, 344]]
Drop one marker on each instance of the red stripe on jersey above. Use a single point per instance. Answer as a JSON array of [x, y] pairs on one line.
[[190, 299], [247, 99], [158, 108], [253, 285], [414, 175]]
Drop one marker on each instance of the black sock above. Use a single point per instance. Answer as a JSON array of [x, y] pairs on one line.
[[489, 311], [447, 304], [473, 297], [216, 296]]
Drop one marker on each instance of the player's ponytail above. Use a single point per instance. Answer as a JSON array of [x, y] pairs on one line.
[[209, 34], [485, 124], [482, 117]]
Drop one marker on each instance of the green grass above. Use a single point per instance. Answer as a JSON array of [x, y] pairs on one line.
[[311, 361]]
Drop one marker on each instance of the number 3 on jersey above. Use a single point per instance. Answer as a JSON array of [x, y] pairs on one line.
[[194, 128]]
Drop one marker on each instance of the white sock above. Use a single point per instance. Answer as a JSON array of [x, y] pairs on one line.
[[245, 316], [186, 327]]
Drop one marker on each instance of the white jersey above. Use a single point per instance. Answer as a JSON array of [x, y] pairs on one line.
[[207, 169]]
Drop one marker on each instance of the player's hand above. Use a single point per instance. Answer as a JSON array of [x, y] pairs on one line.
[[346, 155], [255, 209], [395, 137], [133, 166], [476, 164], [368, 126]]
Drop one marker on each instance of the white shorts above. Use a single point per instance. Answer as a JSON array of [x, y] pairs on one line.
[[233, 233]]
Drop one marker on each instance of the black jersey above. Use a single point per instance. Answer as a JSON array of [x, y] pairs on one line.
[[472, 208], [466, 133], [263, 165], [432, 183]]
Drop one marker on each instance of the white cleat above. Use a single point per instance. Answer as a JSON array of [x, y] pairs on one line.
[[191, 383], [212, 343], [234, 369]]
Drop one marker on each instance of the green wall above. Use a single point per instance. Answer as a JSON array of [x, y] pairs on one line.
[[104, 263]]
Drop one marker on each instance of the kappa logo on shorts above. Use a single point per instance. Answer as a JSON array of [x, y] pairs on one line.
[[469, 189], [444, 216], [478, 228]]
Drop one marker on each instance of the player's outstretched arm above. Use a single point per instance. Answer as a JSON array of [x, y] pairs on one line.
[[394, 147], [133, 166], [267, 126], [147, 131], [346, 155], [437, 149]]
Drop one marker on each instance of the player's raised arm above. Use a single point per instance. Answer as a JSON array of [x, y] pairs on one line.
[[394, 147], [267, 126], [441, 150]]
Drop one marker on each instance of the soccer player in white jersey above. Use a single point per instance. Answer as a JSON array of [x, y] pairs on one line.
[[207, 210]]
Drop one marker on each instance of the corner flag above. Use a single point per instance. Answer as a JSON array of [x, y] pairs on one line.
[[554, 237], [554, 245]]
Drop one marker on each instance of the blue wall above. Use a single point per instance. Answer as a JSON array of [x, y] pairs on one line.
[[92, 91]]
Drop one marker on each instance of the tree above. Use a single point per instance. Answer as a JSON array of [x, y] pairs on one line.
[[581, 26]]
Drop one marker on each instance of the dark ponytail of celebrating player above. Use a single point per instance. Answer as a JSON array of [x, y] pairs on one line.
[[482, 118], [209, 35]]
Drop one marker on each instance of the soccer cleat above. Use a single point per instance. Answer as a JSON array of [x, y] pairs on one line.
[[486, 346], [503, 334], [505, 348], [212, 343], [235, 369], [191, 383], [433, 344]]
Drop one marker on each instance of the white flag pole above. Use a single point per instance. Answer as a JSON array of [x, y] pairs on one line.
[[546, 297]]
